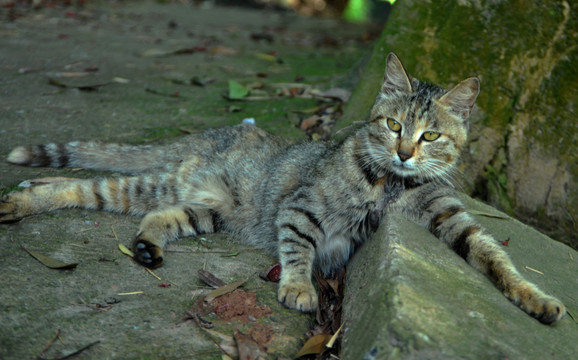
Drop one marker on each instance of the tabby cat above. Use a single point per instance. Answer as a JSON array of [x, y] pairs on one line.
[[312, 203]]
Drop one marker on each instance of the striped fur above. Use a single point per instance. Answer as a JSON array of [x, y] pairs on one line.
[[312, 204]]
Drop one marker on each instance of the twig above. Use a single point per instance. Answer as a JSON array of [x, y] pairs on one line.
[[77, 352], [48, 345], [534, 270], [114, 233], [153, 274]]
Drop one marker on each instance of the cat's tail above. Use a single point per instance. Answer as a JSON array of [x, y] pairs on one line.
[[91, 155]]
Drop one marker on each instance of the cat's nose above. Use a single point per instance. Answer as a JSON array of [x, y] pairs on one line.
[[403, 156]]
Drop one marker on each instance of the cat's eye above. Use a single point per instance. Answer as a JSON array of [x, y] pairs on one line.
[[393, 125], [430, 135]]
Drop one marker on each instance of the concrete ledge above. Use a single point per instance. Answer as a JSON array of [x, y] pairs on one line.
[[408, 296]]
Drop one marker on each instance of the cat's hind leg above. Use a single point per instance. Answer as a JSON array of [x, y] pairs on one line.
[[133, 195], [167, 224]]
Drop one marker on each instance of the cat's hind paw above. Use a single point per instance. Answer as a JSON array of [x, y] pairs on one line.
[[10, 210], [298, 295], [147, 254]]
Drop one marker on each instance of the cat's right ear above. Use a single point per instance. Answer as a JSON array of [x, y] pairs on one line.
[[396, 78]]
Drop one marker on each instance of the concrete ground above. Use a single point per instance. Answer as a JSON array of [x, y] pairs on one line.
[[53, 62]]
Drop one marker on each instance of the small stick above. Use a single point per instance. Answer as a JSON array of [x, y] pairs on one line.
[[48, 345], [534, 270], [77, 352], [152, 273], [131, 293]]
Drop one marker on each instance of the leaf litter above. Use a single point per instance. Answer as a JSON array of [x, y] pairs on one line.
[[231, 304]]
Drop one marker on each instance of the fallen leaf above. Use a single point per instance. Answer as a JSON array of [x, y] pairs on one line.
[[225, 289], [50, 262], [267, 57], [314, 345], [481, 213], [92, 87], [123, 249], [237, 91], [210, 279], [222, 50], [273, 273], [72, 74], [120, 80], [333, 338], [337, 93], [309, 122], [247, 347], [227, 344], [236, 253]]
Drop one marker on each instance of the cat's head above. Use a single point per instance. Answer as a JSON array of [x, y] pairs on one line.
[[419, 129]]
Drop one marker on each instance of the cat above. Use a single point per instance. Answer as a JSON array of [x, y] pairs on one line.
[[312, 203]]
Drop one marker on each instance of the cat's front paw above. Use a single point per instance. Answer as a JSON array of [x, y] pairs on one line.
[[147, 254], [544, 308], [298, 295]]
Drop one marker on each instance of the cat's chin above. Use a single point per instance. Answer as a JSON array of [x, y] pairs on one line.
[[404, 171]]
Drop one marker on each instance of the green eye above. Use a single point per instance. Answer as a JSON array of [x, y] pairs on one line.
[[393, 125], [430, 135]]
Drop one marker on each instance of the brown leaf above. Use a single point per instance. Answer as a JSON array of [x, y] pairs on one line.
[[210, 279], [222, 50], [336, 93], [247, 347], [315, 345], [222, 290], [50, 262], [309, 122], [92, 87]]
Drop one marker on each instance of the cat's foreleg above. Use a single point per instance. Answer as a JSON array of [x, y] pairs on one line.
[[446, 217], [297, 236], [167, 224]]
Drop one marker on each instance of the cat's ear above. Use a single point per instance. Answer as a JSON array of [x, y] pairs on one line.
[[396, 78], [462, 97]]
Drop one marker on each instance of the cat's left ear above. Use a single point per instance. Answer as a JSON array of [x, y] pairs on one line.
[[462, 97]]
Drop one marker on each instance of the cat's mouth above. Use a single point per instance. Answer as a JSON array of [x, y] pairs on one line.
[[404, 169]]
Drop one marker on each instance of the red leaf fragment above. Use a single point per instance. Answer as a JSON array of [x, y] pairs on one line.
[[165, 285], [273, 273], [506, 242]]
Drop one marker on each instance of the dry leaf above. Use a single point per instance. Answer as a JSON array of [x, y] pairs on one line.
[[225, 289], [494, 216], [333, 338], [123, 249], [210, 279], [221, 50], [50, 262], [248, 347], [315, 345]]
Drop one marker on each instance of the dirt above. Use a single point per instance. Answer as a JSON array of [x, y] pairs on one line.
[[117, 71], [239, 305]]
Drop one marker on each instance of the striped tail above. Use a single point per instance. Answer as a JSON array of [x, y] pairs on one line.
[[91, 155]]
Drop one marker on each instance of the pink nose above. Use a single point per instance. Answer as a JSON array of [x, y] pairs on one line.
[[403, 156]]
